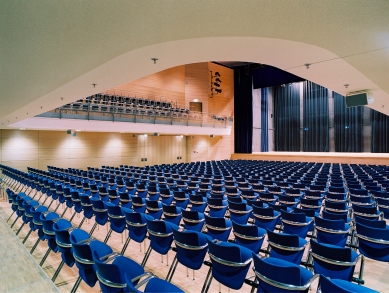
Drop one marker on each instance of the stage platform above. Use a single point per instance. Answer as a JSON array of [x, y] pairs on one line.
[[330, 157]]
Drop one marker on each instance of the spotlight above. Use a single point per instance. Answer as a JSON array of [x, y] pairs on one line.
[[218, 91], [217, 74], [307, 65], [216, 84], [218, 80]]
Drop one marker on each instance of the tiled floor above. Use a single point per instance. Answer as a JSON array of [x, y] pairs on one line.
[[375, 275], [19, 272]]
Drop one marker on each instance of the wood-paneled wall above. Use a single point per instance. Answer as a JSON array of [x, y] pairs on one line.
[[182, 84], [168, 85], [38, 149], [206, 148], [222, 104]]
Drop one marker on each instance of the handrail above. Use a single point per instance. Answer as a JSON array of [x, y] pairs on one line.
[[135, 112]]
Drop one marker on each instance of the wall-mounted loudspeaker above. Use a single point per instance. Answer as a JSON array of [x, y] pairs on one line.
[[360, 98]]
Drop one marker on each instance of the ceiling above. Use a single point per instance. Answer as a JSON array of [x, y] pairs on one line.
[[51, 52]]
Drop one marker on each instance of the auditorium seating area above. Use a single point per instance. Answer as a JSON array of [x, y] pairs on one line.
[[239, 221], [123, 106]]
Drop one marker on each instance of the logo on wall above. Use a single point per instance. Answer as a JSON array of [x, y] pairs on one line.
[[215, 84]]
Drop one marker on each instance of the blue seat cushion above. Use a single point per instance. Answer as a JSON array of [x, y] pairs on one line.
[[305, 275]]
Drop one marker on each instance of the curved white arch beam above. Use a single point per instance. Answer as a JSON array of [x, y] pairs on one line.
[[327, 69]]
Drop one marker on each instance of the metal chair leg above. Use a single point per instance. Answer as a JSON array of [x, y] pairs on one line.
[[64, 212], [50, 203], [15, 221], [25, 238], [82, 222], [108, 235], [45, 256], [172, 269], [20, 228], [57, 271], [10, 216], [56, 208], [146, 256], [125, 245], [35, 245], [207, 281], [71, 218], [93, 229], [75, 287]]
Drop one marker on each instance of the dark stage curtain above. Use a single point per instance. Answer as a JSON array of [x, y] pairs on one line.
[[287, 118], [379, 132], [316, 118], [348, 126], [243, 115], [264, 121]]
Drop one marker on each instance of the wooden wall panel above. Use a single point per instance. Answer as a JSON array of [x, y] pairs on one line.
[[205, 148], [168, 85], [197, 84], [19, 154], [183, 84], [222, 104], [22, 165]]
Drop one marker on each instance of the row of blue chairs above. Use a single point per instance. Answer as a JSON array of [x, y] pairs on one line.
[[223, 254], [95, 260]]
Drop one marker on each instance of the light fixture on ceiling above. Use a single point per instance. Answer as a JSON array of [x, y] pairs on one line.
[[94, 84], [217, 74], [307, 65], [155, 60], [346, 85], [218, 80]]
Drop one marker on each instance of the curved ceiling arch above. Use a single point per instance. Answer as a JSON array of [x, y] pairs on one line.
[[327, 69]]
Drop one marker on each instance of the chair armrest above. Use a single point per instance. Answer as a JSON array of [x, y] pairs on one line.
[[109, 257]]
